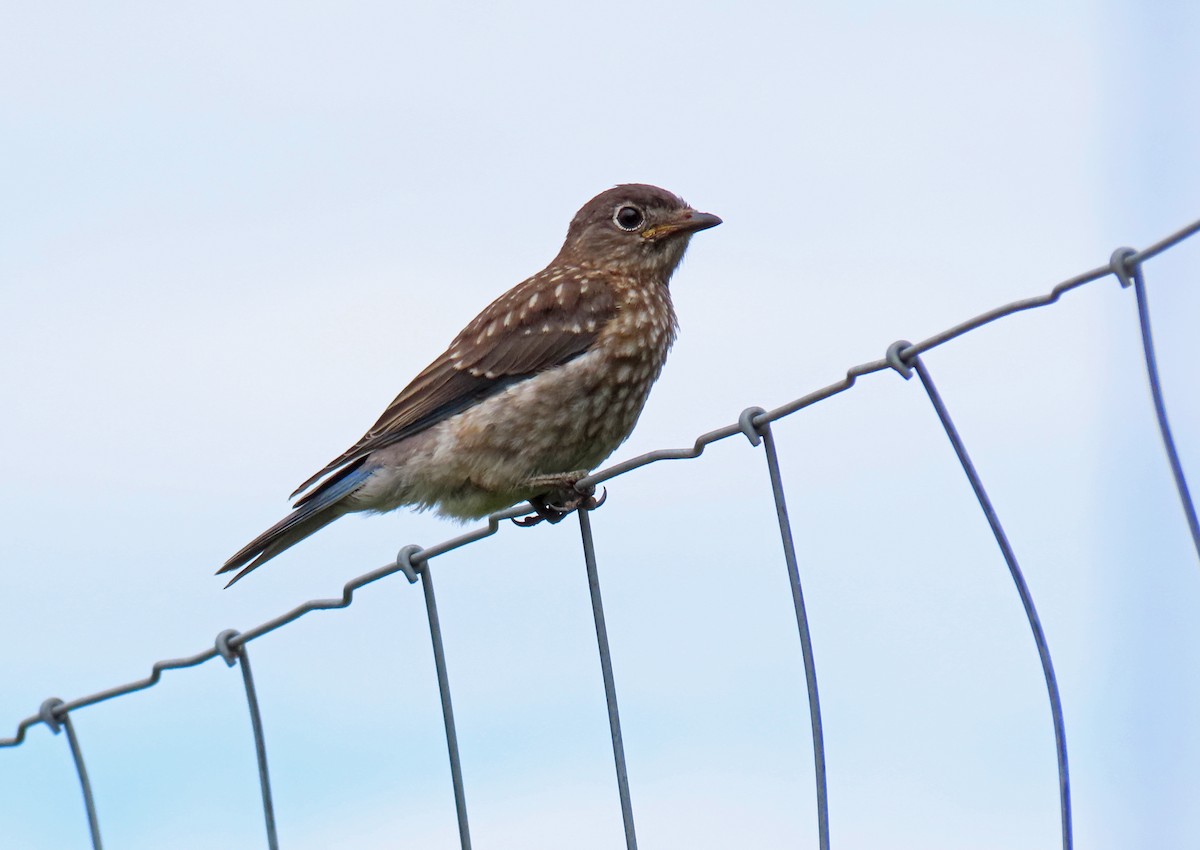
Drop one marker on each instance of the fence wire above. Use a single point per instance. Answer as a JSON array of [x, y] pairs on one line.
[[1125, 264]]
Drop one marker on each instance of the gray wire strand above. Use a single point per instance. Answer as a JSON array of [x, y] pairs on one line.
[[240, 657], [53, 713], [85, 784], [806, 647], [1010, 558], [443, 679], [1160, 406], [260, 749], [606, 671]]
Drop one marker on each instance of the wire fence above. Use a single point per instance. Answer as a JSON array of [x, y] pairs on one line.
[[1125, 264]]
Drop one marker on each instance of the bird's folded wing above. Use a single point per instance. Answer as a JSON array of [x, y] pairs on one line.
[[541, 323]]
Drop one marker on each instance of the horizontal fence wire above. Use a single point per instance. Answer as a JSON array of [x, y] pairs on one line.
[[1125, 265]]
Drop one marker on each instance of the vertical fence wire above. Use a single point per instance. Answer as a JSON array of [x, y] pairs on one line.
[[806, 647], [260, 748], [610, 688], [85, 785], [1160, 406], [443, 678], [1010, 558], [237, 654], [53, 715]]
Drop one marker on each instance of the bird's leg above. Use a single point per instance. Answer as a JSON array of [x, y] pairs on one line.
[[560, 499]]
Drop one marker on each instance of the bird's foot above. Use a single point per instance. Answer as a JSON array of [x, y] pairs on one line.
[[562, 501], [543, 511]]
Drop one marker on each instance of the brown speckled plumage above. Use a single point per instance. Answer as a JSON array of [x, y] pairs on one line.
[[543, 384]]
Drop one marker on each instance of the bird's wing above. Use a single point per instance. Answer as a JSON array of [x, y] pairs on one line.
[[541, 323]]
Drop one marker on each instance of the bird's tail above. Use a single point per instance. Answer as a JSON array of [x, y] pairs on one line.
[[313, 513]]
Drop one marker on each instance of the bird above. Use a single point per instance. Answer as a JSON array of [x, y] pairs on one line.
[[536, 391]]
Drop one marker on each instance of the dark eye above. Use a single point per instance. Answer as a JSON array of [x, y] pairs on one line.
[[629, 218]]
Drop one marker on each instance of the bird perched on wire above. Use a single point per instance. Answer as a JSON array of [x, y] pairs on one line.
[[535, 392]]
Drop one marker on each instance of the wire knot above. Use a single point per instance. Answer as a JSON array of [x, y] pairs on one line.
[[48, 712], [896, 359], [404, 560], [227, 652], [1119, 263], [746, 423]]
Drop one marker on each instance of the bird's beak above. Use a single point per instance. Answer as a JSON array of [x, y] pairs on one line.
[[686, 221]]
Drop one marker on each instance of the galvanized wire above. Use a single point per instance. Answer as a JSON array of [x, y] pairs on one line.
[[54, 715], [806, 647], [1125, 265], [443, 678], [85, 785], [240, 657], [1010, 558], [1160, 405], [606, 672]]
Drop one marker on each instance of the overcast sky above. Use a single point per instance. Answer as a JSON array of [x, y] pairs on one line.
[[229, 234]]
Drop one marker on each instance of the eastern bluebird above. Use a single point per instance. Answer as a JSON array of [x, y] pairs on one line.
[[536, 391]]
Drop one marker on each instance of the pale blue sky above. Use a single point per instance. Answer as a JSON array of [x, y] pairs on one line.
[[231, 233]]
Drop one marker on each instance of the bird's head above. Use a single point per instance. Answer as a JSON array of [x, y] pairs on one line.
[[635, 228]]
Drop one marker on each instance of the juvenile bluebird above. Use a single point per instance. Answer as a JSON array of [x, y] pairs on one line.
[[534, 393]]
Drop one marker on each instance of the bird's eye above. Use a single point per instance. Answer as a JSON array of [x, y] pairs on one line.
[[629, 218]]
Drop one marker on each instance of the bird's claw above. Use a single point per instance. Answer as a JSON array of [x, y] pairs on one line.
[[553, 513], [590, 502], [530, 520]]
